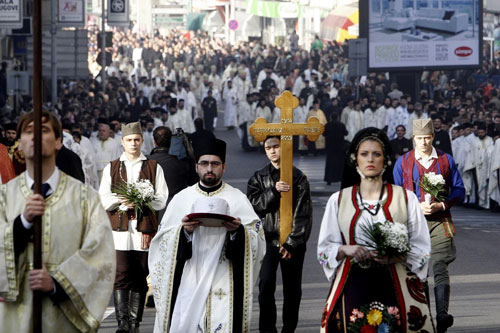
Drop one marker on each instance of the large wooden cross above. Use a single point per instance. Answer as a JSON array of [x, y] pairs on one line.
[[260, 129]]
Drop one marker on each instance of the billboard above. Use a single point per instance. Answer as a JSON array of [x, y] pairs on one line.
[[417, 34], [11, 14], [72, 13]]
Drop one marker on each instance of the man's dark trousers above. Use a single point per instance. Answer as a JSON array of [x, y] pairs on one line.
[[291, 273]]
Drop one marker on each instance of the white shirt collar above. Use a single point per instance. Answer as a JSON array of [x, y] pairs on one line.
[[124, 158], [419, 157], [52, 181]]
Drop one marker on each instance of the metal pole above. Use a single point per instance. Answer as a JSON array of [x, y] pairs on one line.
[[53, 32], [103, 48], [37, 105]]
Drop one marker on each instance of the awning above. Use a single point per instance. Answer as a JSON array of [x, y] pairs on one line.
[[195, 21], [340, 24]]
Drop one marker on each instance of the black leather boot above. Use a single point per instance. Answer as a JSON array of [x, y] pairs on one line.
[[443, 319], [121, 299], [137, 301]]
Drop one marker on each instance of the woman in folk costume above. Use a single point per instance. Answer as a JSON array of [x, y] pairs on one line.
[[360, 277]]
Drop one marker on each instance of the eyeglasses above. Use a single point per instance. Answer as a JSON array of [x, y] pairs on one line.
[[214, 164]]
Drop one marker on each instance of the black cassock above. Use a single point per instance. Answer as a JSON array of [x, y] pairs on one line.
[[336, 148]]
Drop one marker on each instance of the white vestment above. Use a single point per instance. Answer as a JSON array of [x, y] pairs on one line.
[[205, 294], [469, 166], [231, 105], [400, 117], [77, 251], [105, 152], [493, 188], [187, 120], [370, 118], [354, 124], [482, 168], [148, 144]]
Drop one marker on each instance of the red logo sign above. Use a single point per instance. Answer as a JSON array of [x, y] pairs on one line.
[[463, 51]]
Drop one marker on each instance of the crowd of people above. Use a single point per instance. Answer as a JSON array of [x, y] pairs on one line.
[[155, 119]]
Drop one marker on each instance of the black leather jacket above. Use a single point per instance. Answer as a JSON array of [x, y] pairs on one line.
[[265, 199]]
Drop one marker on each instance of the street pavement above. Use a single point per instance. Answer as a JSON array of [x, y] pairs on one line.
[[475, 281]]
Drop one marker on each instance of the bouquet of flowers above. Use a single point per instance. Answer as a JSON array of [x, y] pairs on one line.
[[389, 239], [433, 186], [375, 318], [140, 193]]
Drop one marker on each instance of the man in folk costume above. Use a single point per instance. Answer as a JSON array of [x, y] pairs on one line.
[[408, 172], [132, 234], [203, 277], [264, 191], [76, 238]]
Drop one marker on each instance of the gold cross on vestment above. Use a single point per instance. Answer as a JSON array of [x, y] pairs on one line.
[[220, 293], [260, 129]]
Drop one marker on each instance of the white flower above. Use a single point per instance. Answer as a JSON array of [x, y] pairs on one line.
[[435, 179], [123, 208]]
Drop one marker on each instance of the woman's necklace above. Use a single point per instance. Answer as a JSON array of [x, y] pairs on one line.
[[371, 209]]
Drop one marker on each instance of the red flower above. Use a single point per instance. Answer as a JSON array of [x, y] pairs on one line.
[[368, 329]]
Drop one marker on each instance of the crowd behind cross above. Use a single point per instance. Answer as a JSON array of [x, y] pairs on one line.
[[171, 80]]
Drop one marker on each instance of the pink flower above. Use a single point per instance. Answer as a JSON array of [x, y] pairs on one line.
[[358, 313], [393, 310], [353, 318]]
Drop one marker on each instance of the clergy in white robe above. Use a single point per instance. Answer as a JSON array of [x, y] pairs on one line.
[[231, 104], [400, 117], [186, 117], [76, 238], [468, 171], [494, 172], [382, 113], [105, 147], [354, 123], [479, 151], [203, 277]]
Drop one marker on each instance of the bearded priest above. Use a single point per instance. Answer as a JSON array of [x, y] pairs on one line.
[[203, 276]]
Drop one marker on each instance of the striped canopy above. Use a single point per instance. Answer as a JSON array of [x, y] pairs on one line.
[[335, 25]]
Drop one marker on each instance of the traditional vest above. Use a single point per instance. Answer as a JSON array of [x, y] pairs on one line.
[[441, 165], [414, 310], [148, 221]]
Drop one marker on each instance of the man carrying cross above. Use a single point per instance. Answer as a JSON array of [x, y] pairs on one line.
[[78, 271], [280, 195], [264, 192]]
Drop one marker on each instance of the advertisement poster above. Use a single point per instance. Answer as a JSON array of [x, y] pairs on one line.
[[71, 12], [11, 14], [430, 34]]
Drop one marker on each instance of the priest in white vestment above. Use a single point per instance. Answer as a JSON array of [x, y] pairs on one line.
[[479, 151], [77, 245], [493, 184], [203, 277], [186, 117], [105, 147], [231, 105]]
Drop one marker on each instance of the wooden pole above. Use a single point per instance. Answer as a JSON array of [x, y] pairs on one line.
[[37, 106]]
